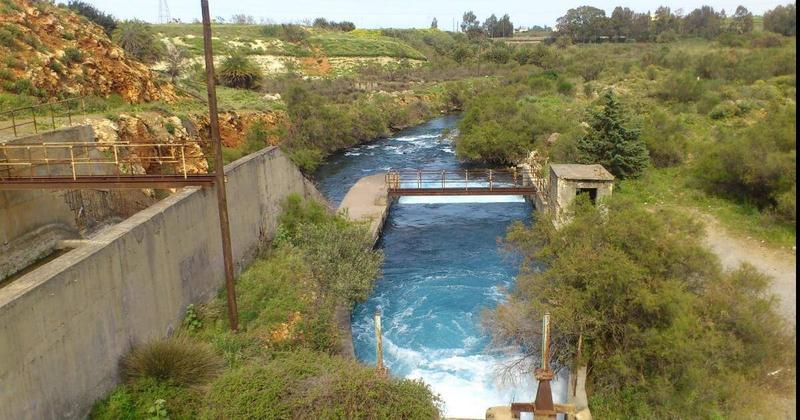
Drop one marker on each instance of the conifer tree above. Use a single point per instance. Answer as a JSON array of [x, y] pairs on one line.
[[612, 143]]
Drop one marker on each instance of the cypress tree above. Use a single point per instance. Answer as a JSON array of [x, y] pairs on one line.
[[612, 143]]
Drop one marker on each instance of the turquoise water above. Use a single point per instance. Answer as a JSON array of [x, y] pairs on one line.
[[443, 267]]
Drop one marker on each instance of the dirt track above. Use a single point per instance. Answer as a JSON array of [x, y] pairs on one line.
[[734, 250]]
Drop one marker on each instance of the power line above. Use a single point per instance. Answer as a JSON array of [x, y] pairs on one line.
[[163, 12]]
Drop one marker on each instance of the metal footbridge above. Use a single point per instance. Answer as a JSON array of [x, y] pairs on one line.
[[421, 182]]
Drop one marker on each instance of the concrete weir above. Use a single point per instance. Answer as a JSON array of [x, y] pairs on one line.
[[367, 201]]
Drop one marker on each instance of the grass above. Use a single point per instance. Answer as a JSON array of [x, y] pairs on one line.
[[346, 45], [670, 187], [282, 362]]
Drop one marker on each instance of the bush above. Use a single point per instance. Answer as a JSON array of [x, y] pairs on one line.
[[238, 71], [285, 32], [72, 55], [137, 38], [651, 306], [135, 401], [106, 21], [176, 360], [665, 137], [756, 165], [312, 385], [681, 86]]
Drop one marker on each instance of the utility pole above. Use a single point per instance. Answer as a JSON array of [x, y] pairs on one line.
[[544, 408], [219, 170]]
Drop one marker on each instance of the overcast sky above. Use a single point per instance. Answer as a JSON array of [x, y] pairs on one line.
[[401, 14]]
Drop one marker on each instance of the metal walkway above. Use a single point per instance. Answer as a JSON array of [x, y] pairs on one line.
[[102, 165], [467, 182]]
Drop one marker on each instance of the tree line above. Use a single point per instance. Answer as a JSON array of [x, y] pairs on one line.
[[492, 27], [591, 24]]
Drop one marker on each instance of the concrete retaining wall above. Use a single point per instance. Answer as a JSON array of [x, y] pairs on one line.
[[64, 326], [31, 222]]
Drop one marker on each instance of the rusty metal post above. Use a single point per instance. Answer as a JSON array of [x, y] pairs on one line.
[[379, 342], [35, 128], [543, 406], [14, 123], [219, 169]]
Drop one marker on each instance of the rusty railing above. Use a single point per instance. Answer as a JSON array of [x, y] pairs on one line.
[[86, 164], [463, 182], [48, 116]]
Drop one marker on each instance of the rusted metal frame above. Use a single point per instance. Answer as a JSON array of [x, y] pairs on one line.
[[398, 192], [219, 169], [108, 182]]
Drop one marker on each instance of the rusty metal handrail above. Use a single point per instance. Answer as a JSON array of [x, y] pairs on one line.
[[52, 114], [467, 181], [22, 161]]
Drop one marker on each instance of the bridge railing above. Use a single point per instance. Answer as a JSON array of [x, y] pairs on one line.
[[90, 159], [477, 181], [49, 116]]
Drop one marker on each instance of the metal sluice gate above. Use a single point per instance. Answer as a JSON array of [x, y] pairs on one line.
[[464, 182]]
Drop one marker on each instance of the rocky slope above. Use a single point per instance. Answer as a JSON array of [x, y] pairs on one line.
[[50, 52]]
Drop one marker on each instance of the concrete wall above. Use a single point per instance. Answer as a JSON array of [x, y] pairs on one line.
[[64, 326], [31, 222]]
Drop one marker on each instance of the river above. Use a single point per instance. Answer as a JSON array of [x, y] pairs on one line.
[[443, 267]]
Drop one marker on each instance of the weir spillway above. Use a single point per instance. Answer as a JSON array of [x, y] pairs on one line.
[[443, 267]]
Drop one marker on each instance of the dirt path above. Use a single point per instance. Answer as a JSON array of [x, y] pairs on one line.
[[779, 264]]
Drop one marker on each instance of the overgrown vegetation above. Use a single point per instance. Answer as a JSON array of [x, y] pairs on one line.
[[238, 71], [283, 362], [137, 38], [104, 20], [651, 307]]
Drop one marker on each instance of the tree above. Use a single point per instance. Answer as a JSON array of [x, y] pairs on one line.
[[741, 21], [703, 22], [505, 27], [621, 21], [659, 321], [105, 20], [243, 19], [782, 20], [664, 20], [582, 24], [137, 38], [640, 28], [490, 26], [176, 58], [471, 25], [613, 144], [238, 71], [435, 24]]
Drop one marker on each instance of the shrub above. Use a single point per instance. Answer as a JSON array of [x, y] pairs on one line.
[[651, 306], [665, 137], [106, 21], [72, 55], [285, 32], [8, 38], [305, 384], [681, 86], [238, 71], [756, 165], [565, 87], [137, 38], [176, 360]]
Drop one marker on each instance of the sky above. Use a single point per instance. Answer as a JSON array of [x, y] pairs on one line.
[[405, 13]]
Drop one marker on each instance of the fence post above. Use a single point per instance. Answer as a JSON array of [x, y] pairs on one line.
[[72, 162], [444, 178], [379, 343], [35, 128], [53, 116], [466, 179], [490, 180], [14, 123]]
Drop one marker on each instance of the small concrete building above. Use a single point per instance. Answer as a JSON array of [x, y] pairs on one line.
[[567, 181]]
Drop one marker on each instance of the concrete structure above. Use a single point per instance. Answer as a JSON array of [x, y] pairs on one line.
[[569, 180], [65, 325], [366, 202], [32, 222]]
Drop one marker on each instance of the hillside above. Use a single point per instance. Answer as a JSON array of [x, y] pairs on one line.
[[314, 51], [49, 52]]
